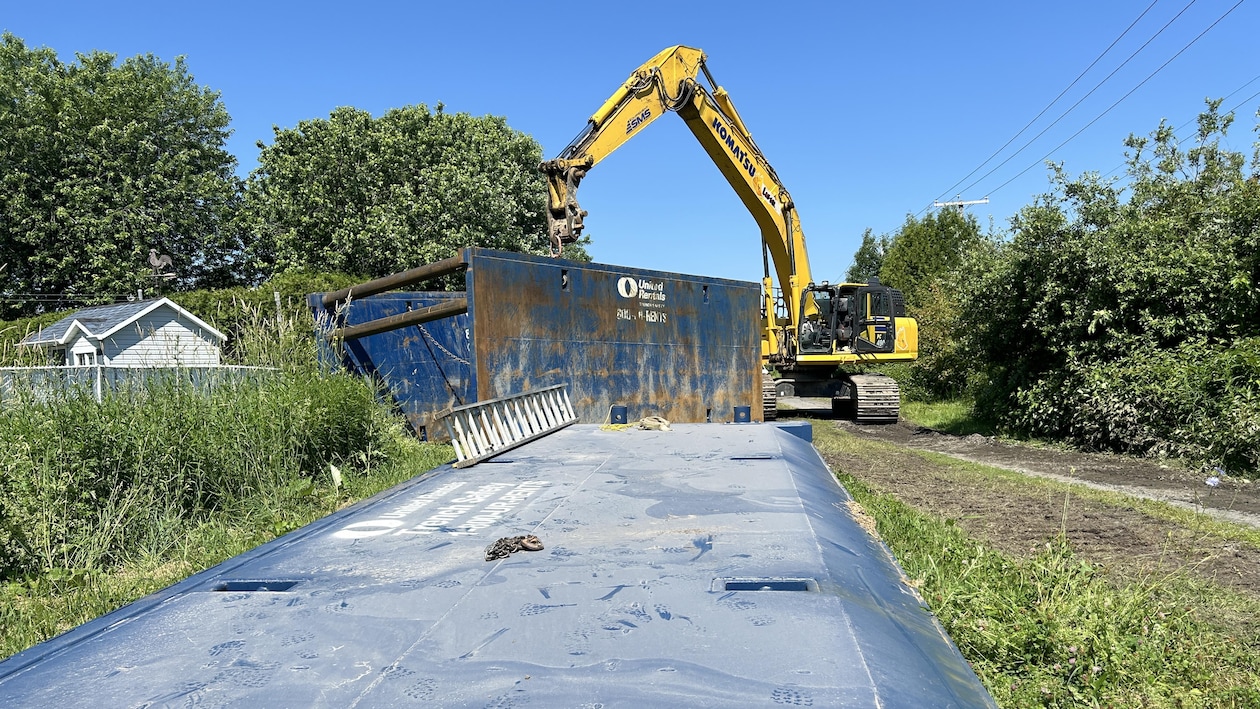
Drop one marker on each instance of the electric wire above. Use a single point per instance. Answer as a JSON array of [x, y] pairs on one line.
[[1056, 98], [1118, 101], [1091, 92], [1179, 128], [1073, 107]]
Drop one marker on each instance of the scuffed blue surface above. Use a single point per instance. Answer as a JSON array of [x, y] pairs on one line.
[[625, 607]]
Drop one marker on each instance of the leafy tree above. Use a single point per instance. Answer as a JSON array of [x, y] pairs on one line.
[[925, 250], [930, 260], [101, 162], [373, 196], [868, 259], [1130, 318]]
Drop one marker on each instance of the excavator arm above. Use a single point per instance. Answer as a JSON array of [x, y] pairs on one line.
[[668, 82], [826, 325]]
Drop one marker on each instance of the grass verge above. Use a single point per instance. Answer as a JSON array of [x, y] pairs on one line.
[[956, 416], [1053, 630], [41, 605]]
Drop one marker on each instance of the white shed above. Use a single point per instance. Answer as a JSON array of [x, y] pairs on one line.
[[145, 333]]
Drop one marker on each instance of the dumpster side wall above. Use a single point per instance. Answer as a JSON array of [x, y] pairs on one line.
[[662, 344]]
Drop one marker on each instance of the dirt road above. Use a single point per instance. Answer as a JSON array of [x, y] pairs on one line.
[[1232, 499], [1018, 518]]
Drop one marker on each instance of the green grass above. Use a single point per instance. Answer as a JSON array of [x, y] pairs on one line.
[[1053, 630], [41, 605], [104, 502], [955, 416]]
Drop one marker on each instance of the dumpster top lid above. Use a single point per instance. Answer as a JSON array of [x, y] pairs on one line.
[[712, 565]]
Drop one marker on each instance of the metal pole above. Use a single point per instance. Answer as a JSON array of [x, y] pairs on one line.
[[397, 280], [394, 322]]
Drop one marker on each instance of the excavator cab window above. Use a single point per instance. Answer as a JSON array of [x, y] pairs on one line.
[[876, 324], [818, 330]]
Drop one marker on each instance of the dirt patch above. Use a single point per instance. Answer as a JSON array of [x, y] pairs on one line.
[[1018, 519], [1233, 499]]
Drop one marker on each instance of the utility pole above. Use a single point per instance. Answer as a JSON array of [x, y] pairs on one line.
[[960, 204]]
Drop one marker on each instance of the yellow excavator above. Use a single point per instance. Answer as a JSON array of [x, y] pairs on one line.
[[813, 333]]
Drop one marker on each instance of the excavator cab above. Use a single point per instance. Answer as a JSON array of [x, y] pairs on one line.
[[827, 328], [849, 318]]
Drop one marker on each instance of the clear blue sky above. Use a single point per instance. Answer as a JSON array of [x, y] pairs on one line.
[[868, 111]]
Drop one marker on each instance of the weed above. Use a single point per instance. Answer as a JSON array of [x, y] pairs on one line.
[[104, 502], [1054, 630]]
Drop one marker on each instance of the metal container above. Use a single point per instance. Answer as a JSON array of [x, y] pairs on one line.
[[683, 347]]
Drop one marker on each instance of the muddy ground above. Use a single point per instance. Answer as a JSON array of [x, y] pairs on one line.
[[1019, 518]]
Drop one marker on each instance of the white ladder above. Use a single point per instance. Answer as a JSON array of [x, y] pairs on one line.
[[487, 428]]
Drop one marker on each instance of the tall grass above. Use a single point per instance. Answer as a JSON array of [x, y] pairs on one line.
[[86, 483], [101, 502]]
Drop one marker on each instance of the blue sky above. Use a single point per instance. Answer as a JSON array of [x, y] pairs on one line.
[[868, 111]]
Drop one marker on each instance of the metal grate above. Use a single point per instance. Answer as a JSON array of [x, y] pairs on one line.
[[485, 429]]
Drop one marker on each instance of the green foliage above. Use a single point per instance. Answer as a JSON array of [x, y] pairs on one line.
[[101, 503], [869, 258], [956, 416], [358, 194], [1194, 401], [925, 251], [39, 606], [1104, 317], [931, 261], [258, 333], [102, 161], [88, 483]]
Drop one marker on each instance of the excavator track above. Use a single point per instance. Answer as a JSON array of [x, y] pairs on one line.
[[769, 398], [877, 398]]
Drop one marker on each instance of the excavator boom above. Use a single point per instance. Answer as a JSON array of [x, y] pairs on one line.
[[809, 335]]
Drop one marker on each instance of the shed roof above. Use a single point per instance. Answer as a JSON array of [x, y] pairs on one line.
[[101, 321]]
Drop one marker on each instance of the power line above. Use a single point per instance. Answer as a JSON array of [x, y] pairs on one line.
[[1179, 128], [1118, 101], [1091, 92], [1056, 98]]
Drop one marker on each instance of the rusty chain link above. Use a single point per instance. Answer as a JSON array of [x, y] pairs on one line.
[[507, 546]]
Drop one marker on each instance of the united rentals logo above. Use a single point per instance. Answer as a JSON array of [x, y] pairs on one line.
[[643, 289], [627, 287]]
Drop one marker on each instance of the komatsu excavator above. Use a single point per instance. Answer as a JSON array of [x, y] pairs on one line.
[[812, 332]]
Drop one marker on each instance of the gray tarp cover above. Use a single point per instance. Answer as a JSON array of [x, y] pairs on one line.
[[712, 565]]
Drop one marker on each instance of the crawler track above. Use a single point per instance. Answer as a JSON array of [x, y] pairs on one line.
[[878, 398]]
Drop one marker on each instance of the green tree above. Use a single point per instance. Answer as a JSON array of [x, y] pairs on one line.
[[868, 259], [925, 250], [1130, 318], [931, 260], [372, 196], [102, 161]]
